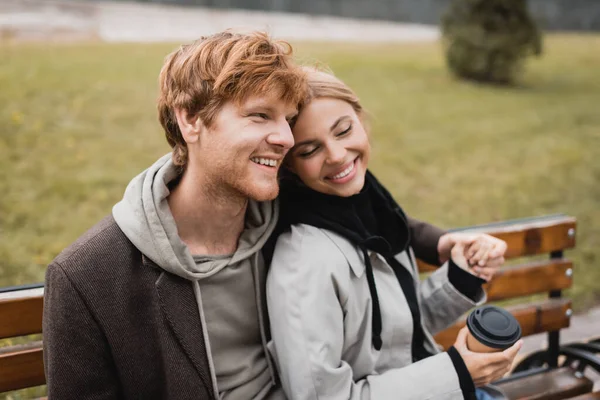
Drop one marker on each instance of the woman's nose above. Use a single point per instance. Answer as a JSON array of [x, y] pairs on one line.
[[336, 154]]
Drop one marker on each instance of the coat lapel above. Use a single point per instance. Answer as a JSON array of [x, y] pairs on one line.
[[350, 251], [355, 259], [180, 309]]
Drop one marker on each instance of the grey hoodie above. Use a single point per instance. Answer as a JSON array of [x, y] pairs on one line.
[[228, 289]]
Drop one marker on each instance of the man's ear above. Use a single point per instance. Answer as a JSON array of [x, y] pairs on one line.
[[190, 125]]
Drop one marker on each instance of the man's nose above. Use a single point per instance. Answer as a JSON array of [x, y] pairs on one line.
[[282, 136]]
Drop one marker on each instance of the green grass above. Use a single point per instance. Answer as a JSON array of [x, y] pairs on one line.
[[78, 121]]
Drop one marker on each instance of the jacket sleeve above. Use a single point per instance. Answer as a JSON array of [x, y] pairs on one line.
[[424, 240], [306, 309], [441, 303], [77, 360]]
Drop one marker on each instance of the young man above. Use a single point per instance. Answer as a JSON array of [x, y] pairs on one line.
[[164, 298]]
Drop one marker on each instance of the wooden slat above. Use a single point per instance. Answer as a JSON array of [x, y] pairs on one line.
[[556, 384], [22, 368], [21, 313], [546, 316], [528, 238], [588, 396], [532, 278], [537, 238]]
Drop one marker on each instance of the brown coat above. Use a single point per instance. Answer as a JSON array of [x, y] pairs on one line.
[[116, 326]]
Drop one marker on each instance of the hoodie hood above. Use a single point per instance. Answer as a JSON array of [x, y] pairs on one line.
[[145, 218]]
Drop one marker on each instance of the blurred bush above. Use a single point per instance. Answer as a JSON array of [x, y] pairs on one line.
[[488, 40]]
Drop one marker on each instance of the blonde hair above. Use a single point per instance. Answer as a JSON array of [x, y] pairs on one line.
[[202, 76], [323, 83]]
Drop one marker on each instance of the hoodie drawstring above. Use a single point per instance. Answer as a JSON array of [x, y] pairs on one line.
[[376, 324]]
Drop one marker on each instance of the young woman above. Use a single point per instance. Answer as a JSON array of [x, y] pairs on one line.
[[350, 318]]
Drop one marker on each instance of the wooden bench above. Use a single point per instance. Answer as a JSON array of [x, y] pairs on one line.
[[588, 396], [543, 377], [21, 365]]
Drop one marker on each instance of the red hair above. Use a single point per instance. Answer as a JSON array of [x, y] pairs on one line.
[[202, 76]]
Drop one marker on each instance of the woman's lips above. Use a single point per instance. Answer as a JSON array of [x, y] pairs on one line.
[[345, 174]]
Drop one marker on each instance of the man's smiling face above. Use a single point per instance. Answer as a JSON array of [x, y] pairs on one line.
[[243, 148]]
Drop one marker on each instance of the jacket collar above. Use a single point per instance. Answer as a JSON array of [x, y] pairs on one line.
[[351, 252], [355, 258]]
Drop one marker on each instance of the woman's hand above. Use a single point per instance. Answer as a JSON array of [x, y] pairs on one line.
[[486, 255], [485, 367], [482, 254]]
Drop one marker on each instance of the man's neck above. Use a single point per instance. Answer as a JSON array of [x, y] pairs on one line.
[[208, 220]]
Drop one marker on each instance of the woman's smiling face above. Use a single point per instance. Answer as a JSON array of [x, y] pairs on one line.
[[332, 149]]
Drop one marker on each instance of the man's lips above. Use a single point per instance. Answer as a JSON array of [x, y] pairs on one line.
[[267, 161]]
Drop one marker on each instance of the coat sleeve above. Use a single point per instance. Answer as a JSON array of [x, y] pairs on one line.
[[306, 309], [424, 240], [441, 303], [77, 360]]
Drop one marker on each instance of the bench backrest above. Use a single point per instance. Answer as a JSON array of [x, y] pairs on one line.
[[530, 237], [21, 366]]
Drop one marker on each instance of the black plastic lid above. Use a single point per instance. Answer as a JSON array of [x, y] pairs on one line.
[[494, 327]]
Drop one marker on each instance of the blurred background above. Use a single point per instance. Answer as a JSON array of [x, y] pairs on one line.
[[481, 110]]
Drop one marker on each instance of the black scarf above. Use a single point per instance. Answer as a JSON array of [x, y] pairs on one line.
[[372, 220]]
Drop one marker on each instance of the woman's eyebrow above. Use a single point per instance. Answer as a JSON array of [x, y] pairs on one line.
[[337, 121], [305, 142]]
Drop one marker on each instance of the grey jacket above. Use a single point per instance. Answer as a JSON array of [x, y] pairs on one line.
[[320, 313]]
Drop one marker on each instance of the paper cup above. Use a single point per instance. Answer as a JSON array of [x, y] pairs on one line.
[[491, 329]]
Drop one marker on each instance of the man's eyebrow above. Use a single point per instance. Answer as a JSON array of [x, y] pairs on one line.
[[337, 122], [270, 110], [260, 107]]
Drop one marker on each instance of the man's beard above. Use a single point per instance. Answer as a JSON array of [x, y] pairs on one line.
[[231, 185]]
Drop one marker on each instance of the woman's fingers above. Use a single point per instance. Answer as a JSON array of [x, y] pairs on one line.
[[498, 249], [461, 340], [490, 268], [512, 351], [481, 256], [458, 256], [486, 367], [473, 249]]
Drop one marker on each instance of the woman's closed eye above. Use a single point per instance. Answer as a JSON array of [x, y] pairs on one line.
[[345, 131], [309, 152]]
